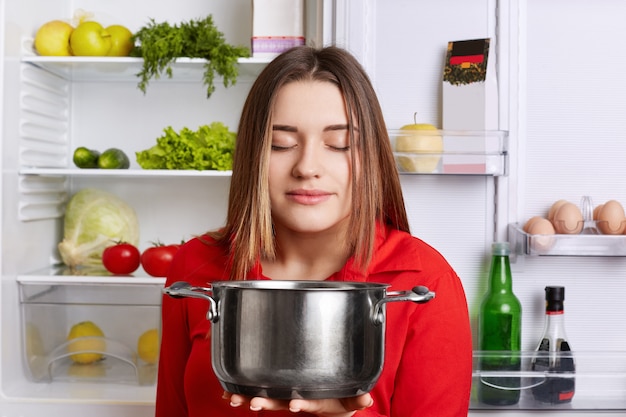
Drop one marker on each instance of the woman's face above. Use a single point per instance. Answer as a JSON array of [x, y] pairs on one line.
[[310, 170]]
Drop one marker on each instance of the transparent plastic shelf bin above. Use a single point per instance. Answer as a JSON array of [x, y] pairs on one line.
[[121, 309], [599, 379], [450, 152], [523, 243]]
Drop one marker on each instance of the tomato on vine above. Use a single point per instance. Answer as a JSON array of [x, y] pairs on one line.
[[121, 259], [156, 259]]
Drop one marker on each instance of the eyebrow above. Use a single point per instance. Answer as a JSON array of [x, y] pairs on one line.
[[288, 128]]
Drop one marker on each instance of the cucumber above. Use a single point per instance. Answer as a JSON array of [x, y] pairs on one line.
[[113, 158], [86, 158]]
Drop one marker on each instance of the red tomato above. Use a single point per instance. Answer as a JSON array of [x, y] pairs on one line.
[[156, 260], [121, 259]]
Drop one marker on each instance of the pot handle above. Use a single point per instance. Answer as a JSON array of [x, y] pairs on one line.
[[181, 289], [419, 294]]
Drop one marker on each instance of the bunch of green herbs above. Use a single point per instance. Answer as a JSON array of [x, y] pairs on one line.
[[159, 44], [210, 147]]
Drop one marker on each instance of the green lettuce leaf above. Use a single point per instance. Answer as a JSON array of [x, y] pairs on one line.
[[209, 147]]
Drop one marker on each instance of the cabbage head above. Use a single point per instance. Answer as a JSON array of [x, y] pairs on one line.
[[95, 219]]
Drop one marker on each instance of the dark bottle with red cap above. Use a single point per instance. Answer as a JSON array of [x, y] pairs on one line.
[[554, 357]]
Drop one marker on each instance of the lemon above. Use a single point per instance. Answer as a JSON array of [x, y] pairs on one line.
[[33, 341], [148, 346], [86, 338]]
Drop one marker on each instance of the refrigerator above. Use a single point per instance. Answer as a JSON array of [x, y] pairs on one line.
[[559, 134]]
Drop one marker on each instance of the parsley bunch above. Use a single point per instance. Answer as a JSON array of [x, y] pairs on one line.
[[159, 44]]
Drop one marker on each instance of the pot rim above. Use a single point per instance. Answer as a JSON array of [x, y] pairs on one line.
[[299, 285]]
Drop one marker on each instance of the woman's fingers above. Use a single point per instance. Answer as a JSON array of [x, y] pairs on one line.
[[330, 407], [260, 403], [341, 407]]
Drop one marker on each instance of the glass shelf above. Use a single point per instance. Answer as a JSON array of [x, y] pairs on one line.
[[565, 245], [451, 152], [125, 69], [135, 173], [61, 275]]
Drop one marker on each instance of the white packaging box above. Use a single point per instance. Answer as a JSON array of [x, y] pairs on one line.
[[470, 101], [277, 25]]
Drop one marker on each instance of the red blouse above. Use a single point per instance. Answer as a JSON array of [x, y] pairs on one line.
[[428, 347]]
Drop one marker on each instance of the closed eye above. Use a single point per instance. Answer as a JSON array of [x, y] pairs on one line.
[[280, 148]]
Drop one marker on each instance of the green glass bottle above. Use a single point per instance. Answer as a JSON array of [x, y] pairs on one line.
[[500, 329]]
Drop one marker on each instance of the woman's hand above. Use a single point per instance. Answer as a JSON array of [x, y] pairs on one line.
[[344, 407]]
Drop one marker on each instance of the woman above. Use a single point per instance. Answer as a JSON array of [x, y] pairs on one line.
[[315, 195]]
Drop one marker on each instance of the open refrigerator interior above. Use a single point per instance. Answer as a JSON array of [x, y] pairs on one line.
[[51, 106]]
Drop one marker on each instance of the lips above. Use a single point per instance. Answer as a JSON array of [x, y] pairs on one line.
[[308, 197]]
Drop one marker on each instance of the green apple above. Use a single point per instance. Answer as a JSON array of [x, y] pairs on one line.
[[121, 42], [419, 138], [53, 38], [90, 39]]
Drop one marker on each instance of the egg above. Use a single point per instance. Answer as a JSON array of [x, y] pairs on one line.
[[554, 208], [541, 226], [596, 211], [611, 218], [542, 231], [568, 219], [530, 222]]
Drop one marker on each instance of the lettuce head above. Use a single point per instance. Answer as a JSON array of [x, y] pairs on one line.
[[95, 219]]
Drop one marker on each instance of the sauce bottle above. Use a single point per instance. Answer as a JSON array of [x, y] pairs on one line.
[[499, 329], [554, 354]]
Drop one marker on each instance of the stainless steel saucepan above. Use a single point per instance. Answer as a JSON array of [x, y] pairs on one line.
[[297, 339]]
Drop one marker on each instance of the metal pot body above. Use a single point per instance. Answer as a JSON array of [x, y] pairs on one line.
[[297, 339], [306, 341]]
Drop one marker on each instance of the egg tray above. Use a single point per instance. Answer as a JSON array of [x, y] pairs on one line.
[[586, 243]]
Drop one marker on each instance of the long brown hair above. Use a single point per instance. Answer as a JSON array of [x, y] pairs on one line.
[[376, 193]]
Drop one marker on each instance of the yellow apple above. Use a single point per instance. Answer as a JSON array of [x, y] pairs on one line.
[[90, 39], [415, 139], [121, 42], [53, 38]]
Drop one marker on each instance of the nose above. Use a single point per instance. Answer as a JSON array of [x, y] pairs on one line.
[[308, 163]]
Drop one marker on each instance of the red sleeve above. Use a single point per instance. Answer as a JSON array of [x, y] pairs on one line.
[[434, 374], [175, 349], [429, 357]]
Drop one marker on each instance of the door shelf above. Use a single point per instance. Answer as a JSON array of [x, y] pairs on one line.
[[451, 152], [565, 245], [599, 380]]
